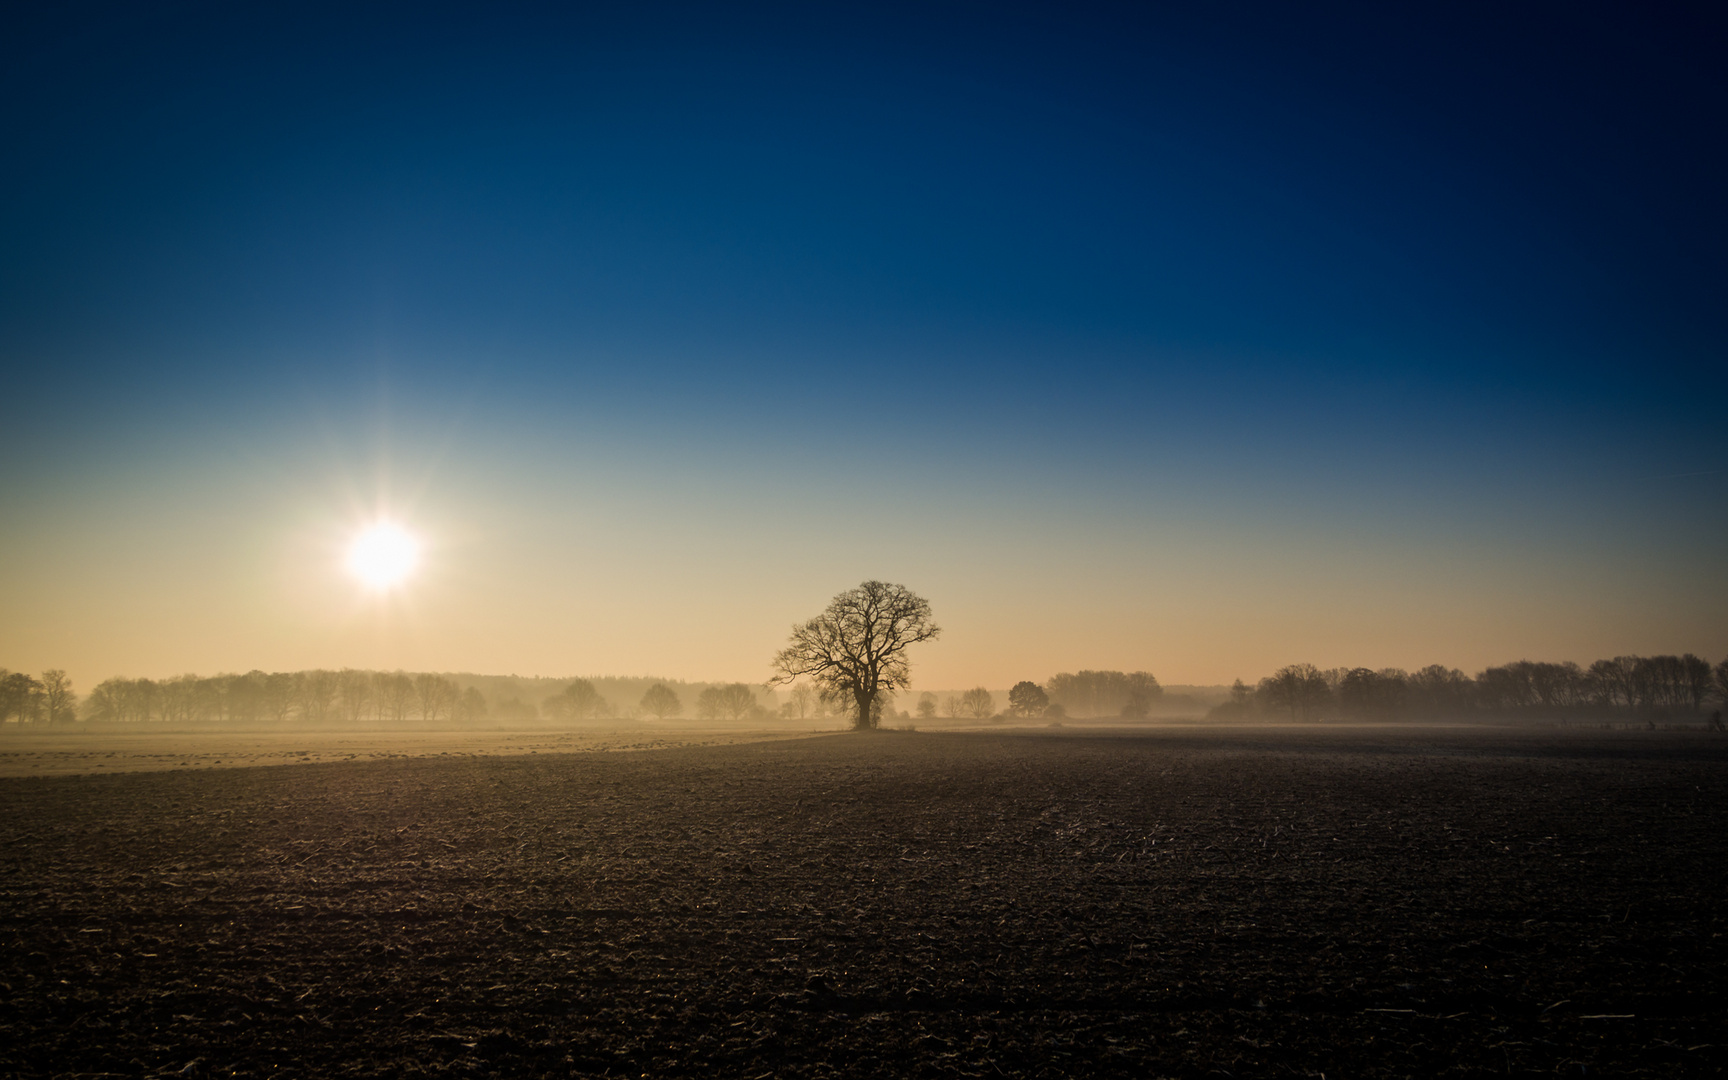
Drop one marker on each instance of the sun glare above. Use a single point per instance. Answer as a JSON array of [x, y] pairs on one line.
[[383, 555]]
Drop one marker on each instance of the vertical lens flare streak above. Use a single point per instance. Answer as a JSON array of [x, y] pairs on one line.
[[383, 556]]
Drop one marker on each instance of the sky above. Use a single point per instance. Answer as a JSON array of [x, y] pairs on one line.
[[1193, 338]]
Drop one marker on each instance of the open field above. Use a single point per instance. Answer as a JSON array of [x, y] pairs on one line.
[[149, 748], [1276, 901]]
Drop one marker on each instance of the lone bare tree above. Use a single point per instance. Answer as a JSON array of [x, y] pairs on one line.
[[857, 648]]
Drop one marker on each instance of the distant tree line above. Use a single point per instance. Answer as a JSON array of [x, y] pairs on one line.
[[734, 701], [316, 696], [578, 701], [1069, 693], [1104, 693], [1624, 685], [729, 701], [1081, 693], [354, 696]]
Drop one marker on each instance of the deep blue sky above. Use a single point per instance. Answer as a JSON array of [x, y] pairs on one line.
[[1433, 293]]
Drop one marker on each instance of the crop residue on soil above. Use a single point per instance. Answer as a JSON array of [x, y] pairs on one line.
[[1383, 902]]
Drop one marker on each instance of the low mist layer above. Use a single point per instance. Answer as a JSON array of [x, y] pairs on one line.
[[1684, 688]]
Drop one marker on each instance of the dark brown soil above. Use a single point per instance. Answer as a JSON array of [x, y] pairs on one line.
[[1266, 902]]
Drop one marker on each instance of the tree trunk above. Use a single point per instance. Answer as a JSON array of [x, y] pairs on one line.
[[866, 703]]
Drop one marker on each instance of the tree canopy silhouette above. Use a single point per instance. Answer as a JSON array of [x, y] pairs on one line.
[[1028, 699], [856, 649]]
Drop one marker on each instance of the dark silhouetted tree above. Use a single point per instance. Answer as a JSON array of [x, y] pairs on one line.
[[1622, 673], [1602, 682], [857, 648], [1647, 689], [1300, 689], [1438, 690], [1506, 687], [1027, 698], [1372, 695], [1356, 693], [20, 697], [1663, 682], [1557, 686], [1696, 679]]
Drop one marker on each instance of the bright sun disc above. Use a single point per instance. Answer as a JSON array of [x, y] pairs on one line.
[[383, 555]]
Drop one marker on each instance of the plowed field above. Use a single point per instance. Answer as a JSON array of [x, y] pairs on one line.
[[1183, 902]]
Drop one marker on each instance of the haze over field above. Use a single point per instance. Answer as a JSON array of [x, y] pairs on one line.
[[1198, 341]]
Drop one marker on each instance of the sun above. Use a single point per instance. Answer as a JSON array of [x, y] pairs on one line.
[[384, 555]]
